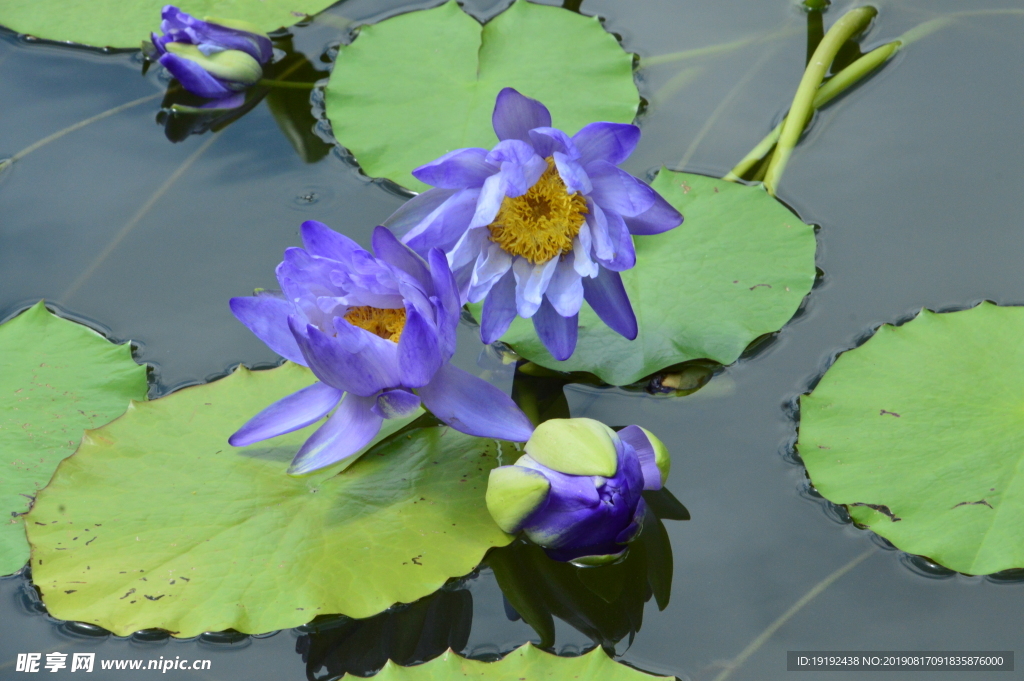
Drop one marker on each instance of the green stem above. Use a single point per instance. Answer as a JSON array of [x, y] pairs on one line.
[[266, 82], [763, 637], [137, 218], [851, 23], [714, 49], [929, 27], [77, 126], [838, 84]]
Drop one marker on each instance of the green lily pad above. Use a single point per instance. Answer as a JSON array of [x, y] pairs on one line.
[[126, 23], [736, 269], [419, 85], [525, 662], [156, 522], [57, 378], [920, 433]]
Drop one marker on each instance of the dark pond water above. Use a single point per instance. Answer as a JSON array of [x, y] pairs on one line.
[[914, 178]]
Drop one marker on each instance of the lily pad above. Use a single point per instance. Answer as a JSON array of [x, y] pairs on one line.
[[126, 23], [736, 269], [156, 522], [419, 85], [920, 433], [526, 662], [57, 378]]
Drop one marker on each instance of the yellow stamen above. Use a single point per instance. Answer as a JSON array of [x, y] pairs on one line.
[[386, 323], [540, 224]]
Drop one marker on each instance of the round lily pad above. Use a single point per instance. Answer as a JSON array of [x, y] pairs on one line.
[[736, 269], [920, 433], [126, 23], [526, 662], [416, 86], [57, 378], [156, 522]]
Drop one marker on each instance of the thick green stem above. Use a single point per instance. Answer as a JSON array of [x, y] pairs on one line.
[[851, 23], [839, 83]]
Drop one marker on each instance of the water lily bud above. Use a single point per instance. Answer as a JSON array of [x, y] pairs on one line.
[[234, 68], [577, 490], [212, 58]]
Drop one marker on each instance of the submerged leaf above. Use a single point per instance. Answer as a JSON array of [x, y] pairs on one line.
[[526, 662], [57, 378], [419, 85], [737, 269], [920, 433], [157, 522], [126, 23]]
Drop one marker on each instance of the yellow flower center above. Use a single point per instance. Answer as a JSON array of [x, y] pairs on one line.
[[386, 323], [540, 224]]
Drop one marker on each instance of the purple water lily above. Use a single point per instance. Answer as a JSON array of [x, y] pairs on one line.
[[211, 59], [539, 223], [577, 490], [378, 332]]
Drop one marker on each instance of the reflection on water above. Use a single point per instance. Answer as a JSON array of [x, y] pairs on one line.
[[606, 603], [408, 634]]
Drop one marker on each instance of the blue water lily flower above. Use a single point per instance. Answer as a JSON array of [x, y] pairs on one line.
[[214, 59], [378, 332], [538, 223], [577, 490]]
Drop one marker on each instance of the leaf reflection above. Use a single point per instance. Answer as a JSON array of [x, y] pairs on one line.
[[407, 634]]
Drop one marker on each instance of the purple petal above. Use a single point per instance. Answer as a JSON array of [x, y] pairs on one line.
[[187, 28], [457, 169], [394, 404], [392, 251], [611, 142], [474, 406], [288, 414], [558, 333], [546, 141], [565, 290], [323, 241], [491, 265], [531, 282], [572, 174], [608, 297], [449, 303], [568, 492], [518, 178], [418, 353], [499, 309], [489, 202], [623, 254], [444, 226], [194, 78], [581, 245], [659, 218], [349, 429], [633, 529], [515, 115], [414, 211], [635, 438], [568, 522], [618, 191], [365, 367], [267, 317]]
